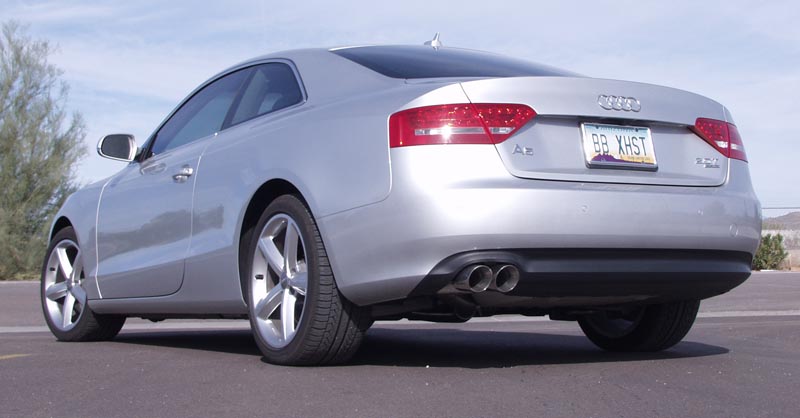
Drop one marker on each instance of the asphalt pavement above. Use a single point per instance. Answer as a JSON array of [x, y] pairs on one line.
[[741, 359]]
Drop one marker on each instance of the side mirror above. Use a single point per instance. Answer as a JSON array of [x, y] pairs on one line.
[[120, 147]]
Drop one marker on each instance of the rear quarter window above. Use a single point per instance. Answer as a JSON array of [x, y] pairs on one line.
[[271, 87], [426, 62]]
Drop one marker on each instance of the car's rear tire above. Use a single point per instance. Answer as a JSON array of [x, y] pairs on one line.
[[297, 314], [63, 296], [647, 329]]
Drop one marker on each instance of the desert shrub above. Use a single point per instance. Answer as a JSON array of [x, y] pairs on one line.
[[771, 253]]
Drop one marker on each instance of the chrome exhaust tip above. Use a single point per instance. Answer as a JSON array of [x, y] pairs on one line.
[[505, 278], [475, 278]]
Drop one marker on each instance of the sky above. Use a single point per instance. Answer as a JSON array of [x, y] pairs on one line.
[[130, 62]]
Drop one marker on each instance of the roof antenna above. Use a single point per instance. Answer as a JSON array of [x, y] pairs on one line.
[[435, 43]]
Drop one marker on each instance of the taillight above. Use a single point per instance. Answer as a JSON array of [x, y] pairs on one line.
[[723, 136], [463, 123]]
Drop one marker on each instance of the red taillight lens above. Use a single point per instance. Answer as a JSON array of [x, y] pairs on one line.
[[737, 146], [463, 123], [723, 136], [502, 120]]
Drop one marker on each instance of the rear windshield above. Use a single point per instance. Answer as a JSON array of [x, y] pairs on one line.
[[427, 62]]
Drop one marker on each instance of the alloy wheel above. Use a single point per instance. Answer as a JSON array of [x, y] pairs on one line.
[[279, 281], [65, 297]]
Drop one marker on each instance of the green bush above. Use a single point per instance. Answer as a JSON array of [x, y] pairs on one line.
[[40, 146], [770, 253]]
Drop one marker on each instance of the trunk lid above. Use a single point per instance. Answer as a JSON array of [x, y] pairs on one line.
[[552, 145]]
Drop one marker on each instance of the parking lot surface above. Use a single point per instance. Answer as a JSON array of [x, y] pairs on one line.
[[741, 359]]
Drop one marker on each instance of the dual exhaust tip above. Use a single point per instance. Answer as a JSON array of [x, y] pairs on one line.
[[479, 277]]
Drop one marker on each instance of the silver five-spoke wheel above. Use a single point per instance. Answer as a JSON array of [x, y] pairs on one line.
[[279, 280], [296, 312], [65, 298], [65, 302]]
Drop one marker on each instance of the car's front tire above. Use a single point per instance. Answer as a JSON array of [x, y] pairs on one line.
[[63, 296], [648, 328], [296, 312]]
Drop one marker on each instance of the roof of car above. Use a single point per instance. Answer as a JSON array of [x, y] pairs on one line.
[[422, 61]]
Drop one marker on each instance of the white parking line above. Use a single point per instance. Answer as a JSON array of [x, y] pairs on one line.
[[245, 325], [735, 314], [161, 326]]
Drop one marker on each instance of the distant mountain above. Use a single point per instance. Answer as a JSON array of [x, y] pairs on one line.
[[789, 221]]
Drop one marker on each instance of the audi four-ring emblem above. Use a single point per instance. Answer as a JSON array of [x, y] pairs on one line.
[[626, 104]]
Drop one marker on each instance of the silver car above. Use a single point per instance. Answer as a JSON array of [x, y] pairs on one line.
[[316, 191]]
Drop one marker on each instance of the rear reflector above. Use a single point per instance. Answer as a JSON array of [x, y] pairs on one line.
[[723, 136], [463, 123]]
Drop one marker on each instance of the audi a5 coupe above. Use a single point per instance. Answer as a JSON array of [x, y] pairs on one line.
[[316, 191]]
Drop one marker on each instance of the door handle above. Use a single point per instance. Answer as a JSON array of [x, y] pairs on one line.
[[182, 175]]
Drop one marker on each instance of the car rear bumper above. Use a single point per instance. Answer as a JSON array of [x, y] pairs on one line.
[[600, 276], [448, 200]]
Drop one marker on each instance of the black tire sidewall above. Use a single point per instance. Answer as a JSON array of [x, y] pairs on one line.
[[661, 327]]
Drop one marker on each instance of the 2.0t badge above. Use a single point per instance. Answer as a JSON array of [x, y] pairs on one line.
[[626, 104]]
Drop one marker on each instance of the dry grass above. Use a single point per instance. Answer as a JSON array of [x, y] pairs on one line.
[[20, 276]]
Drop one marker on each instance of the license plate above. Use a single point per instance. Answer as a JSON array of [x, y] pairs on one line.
[[616, 146]]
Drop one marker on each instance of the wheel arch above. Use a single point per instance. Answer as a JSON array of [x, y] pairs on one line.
[[263, 196], [60, 223]]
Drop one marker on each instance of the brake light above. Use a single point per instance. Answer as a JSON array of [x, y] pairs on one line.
[[463, 123], [723, 136]]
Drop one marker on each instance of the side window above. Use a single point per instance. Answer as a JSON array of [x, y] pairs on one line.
[[200, 116], [271, 87]]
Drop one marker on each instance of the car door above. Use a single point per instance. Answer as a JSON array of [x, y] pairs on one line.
[[233, 168], [144, 219]]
